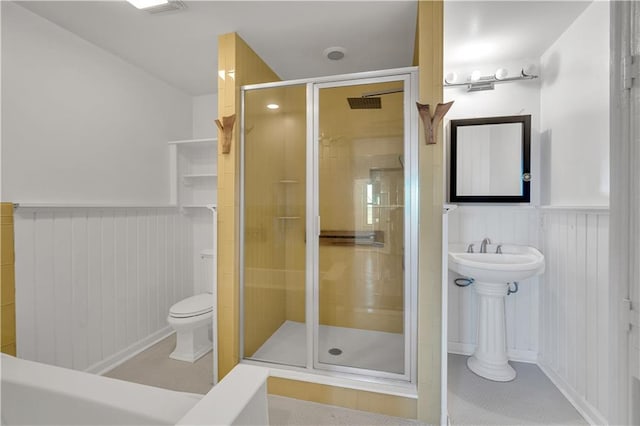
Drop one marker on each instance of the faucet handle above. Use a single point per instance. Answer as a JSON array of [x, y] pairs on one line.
[[499, 249], [470, 248]]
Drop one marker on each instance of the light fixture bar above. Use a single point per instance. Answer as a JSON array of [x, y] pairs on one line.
[[487, 82]]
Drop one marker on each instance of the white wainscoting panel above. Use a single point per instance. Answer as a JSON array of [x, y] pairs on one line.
[[502, 224], [95, 282], [574, 301]]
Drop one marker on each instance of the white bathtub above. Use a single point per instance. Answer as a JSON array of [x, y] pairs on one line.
[[39, 394]]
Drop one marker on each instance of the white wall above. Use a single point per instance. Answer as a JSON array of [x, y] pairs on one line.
[[80, 125], [96, 284], [574, 307], [205, 111], [575, 112], [574, 329]]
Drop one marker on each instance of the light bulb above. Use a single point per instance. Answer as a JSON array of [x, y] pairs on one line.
[[475, 76], [528, 70], [451, 78], [501, 73], [273, 106]]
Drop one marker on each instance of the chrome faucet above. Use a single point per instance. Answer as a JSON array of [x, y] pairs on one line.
[[483, 245], [470, 248]]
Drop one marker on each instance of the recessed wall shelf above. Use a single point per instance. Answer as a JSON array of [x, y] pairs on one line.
[[287, 181], [193, 168], [287, 217]]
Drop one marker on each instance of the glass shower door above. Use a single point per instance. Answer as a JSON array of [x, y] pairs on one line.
[[361, 320], [273, 274]]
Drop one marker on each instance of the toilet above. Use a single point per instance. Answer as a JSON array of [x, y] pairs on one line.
[[191, 318]]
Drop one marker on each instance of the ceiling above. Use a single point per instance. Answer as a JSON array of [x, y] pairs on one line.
[[181, 47], [290, 36], [491, 32]]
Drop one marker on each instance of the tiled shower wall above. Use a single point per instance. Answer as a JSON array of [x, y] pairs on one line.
[[92, 284]]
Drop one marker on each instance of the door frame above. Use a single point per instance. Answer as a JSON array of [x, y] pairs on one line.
[[410, 279], [625, 199], [411, 228]]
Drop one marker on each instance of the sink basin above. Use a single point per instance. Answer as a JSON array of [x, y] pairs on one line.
[[516, 263]]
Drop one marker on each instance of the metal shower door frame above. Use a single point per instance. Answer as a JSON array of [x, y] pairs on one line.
[[409, 81], [409, 76]]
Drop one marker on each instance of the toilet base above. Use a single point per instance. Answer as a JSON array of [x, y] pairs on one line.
[[191, 345]]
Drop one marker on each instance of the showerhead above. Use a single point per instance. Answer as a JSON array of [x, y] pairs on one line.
[[365, 103], [371, 100]]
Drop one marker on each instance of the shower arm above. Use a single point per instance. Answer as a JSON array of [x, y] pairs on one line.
[[382, 92]]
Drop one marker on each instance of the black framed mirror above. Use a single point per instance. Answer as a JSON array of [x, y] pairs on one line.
[[491, 160]]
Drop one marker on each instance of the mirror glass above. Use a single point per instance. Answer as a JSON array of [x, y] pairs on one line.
[[490, 159]]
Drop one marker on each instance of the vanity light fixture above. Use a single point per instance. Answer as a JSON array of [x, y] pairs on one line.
[[157, 6], [478, 82]]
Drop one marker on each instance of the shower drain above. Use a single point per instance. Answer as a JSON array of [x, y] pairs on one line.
[[335, 351]]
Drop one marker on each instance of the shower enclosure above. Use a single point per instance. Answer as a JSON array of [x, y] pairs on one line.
[[329, 224]]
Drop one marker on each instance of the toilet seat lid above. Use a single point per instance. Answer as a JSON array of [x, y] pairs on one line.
[[192, 306]]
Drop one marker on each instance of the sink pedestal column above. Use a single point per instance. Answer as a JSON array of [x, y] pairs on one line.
[[490, 357]]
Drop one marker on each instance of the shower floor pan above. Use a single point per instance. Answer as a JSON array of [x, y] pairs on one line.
[[372, 350]]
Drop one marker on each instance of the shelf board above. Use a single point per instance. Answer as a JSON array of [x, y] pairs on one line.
[[287, 217], [200, 175], [387, 206], [198, 206], [206, 253], [194, 141], [287, 181]]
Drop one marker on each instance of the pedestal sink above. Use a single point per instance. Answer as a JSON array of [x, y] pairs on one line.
[[492, 272]]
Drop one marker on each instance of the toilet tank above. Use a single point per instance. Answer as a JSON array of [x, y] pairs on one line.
[[208, 265]]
